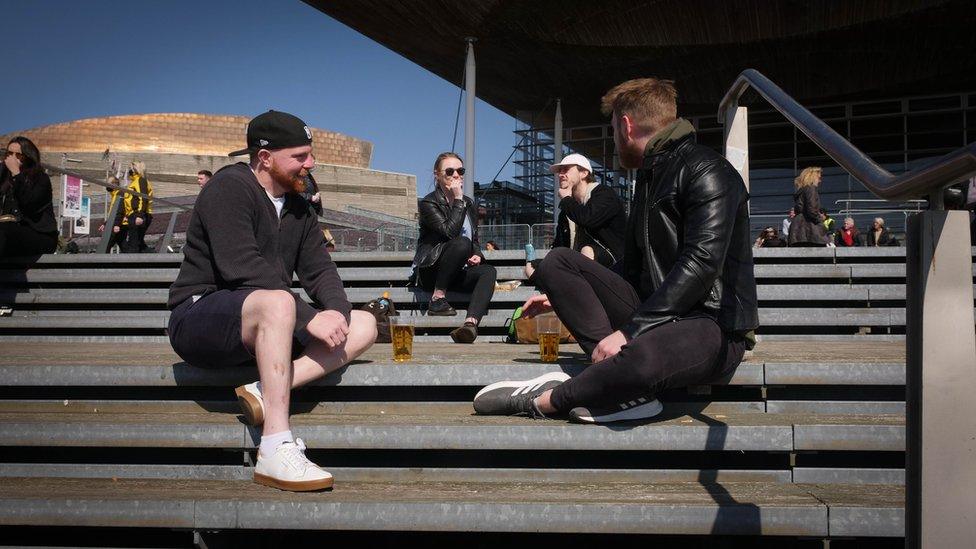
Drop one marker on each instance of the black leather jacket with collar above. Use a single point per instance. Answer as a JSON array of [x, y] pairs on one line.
[[688, 250], [441, 222]]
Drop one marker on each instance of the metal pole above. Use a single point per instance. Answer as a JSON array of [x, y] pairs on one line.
[[168, 236], [469, 97], [940, 479], [557, 155], [109, 224]]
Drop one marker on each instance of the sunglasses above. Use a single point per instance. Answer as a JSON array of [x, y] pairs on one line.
[[449, 172], [20, 156]]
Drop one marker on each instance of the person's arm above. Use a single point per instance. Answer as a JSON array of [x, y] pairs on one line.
[[709, 204], [33, 195], [448, 226], [599, 210], [319, 275]]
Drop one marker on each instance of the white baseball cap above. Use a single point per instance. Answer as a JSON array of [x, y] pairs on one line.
[[572, 160]]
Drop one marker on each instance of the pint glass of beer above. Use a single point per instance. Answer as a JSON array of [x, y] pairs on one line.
[[401, 332], [547, 326]]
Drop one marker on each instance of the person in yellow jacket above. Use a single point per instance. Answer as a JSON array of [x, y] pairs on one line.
[[135, 212]]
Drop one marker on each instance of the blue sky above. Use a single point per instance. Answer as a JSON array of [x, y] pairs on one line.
[[66, 60]]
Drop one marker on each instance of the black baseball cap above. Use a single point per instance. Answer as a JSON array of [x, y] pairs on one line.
[[275, 130]]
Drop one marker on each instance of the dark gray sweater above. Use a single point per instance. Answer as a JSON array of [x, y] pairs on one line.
[[235, 240]]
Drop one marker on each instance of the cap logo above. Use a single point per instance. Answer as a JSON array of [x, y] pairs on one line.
[[308, 132], [263, 142]]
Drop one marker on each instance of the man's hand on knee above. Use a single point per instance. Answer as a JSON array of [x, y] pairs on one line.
[[329, 327], [609, 346]]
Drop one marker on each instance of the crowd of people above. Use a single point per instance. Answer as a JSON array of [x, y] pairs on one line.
[[809, 225]]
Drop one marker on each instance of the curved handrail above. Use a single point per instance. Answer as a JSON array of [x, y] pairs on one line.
[[919, 183]]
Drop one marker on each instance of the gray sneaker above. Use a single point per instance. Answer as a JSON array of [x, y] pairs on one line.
[[513, 398], [640, 408]]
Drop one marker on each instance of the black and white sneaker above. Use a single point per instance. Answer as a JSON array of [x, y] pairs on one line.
[[512, 398], [641, 408], [440, 307]]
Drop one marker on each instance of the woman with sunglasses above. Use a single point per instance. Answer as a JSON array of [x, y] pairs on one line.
[[27, 224], [448, 255]]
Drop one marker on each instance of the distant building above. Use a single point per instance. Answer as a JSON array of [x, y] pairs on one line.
[[175, 146]]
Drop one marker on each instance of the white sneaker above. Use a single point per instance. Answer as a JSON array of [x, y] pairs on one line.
[[252, 403], [289, 469]]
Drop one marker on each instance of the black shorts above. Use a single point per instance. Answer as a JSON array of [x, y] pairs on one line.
[[207, 332]]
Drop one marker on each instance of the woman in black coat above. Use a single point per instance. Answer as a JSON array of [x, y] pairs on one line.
[[27, 224], [807, 228], [448, 255]]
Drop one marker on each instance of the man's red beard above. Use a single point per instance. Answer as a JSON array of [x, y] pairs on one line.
[[293, 183]]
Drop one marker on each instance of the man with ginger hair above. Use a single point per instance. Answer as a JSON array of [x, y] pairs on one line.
[[683, 309], [232, 304]]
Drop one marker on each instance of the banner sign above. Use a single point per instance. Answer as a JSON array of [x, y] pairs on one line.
[[83, 223], [72, 197]]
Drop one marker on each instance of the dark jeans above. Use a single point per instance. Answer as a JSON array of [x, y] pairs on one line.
[[20, 240], [135, 237], [451, 273], [593, 302]]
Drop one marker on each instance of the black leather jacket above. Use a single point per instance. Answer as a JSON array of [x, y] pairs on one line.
[[688, 249], [440, 222], [600, 223]]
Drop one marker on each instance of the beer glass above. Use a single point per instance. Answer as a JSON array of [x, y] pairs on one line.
[[547, 326], [401, 332]]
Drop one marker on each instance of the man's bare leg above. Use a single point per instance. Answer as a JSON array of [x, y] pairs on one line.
[[318, 360], [267, 327]]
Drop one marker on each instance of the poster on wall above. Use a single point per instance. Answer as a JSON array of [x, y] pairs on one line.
[[83, 222], [72, 197]]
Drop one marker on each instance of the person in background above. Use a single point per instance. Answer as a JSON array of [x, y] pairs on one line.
[[786, 223], [448, 253], [490, 246], [27, 223], [769, 238], [828, 222], [592, 218], [137, 210], [848, 236], [879, 235], [807, 227], [203, 176], [311, 192]]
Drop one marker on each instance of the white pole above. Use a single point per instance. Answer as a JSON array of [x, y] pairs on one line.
[[469, 97], [557, 155]]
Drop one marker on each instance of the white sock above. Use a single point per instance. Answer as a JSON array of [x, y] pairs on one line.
[[269, 443], [258, 385]]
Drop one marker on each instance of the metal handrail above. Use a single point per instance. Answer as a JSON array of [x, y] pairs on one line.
[[62, 171], [926, 181]]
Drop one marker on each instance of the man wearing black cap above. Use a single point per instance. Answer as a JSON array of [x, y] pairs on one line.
[[232, 304]]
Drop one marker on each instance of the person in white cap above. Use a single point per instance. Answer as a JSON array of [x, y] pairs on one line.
[[591, 220]]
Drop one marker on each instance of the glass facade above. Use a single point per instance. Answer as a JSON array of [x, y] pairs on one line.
[[900, 134]]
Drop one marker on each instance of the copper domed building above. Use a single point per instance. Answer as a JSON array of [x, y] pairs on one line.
[[175, 146]]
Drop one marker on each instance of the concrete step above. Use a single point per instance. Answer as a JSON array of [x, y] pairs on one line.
[[453, 426], [411, 298], [809, 362], [143, 319], [674, 508]]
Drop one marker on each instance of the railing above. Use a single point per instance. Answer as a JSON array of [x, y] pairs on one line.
[[940, 336], [927, 181], [110, 215]]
